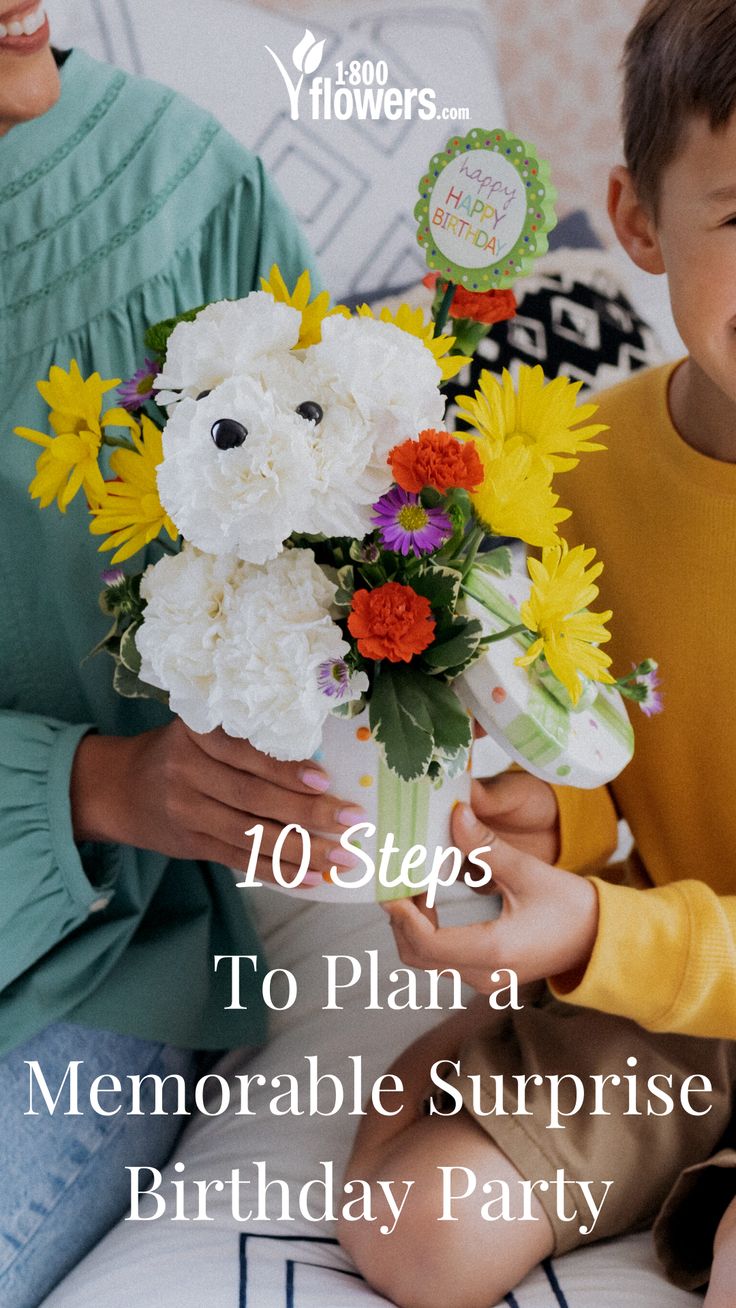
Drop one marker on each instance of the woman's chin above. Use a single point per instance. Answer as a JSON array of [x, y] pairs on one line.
[[29, 86]]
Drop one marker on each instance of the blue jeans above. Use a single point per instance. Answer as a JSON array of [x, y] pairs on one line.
[[63, 1182]]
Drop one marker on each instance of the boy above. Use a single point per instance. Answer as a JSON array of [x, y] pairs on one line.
[[641, 960]]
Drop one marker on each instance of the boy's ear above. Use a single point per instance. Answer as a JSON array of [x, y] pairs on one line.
[[633, 223]]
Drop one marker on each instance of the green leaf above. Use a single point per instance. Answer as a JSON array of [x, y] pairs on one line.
[[129, 655], [457, 649], [401, 721], [452, 673], [441, 586], [497, 561], [374, 574], [345, 587], [468, 334], [413, 715], [127, 684], [352, 709], [450, 722], [157, 335], [109, 643]]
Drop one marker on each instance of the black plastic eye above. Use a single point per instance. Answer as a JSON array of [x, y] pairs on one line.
[[203, 395], [228, 434], [311, 410]]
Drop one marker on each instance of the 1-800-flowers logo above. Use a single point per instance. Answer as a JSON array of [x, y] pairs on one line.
[[359, 89]]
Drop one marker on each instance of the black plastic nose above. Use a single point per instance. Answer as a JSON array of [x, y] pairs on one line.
[[228, 434], [311, 410]]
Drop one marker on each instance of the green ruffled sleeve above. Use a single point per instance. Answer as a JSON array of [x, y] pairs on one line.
[[48, 884]]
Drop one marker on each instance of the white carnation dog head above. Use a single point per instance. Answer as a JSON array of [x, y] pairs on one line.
[[226, 339], [265, 440]]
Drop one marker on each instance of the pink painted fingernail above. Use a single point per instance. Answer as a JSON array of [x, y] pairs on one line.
[[347, 817], [341, 858], [310, 879], [315, 780]]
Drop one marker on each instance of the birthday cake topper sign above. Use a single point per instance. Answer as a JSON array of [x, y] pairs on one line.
[[485, 210]]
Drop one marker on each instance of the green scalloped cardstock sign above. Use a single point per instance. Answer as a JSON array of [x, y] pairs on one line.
[[487, 204]]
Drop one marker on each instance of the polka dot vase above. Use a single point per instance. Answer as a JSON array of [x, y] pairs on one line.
[[412, 812]]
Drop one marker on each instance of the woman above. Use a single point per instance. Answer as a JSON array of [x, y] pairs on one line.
[[120, 204]]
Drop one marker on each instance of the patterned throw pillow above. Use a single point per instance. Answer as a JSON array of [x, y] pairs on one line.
[[575, 320]]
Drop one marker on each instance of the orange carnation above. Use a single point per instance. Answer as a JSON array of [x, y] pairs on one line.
[[436, 459], [391, 622], [482, 306]]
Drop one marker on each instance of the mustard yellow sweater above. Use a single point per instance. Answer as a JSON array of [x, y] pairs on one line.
[[663, 518]]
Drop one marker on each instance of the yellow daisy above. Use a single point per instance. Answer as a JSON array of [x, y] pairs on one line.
[[68, 463], [516, 497], [130, 508], [70, 459], [536, 413], [412, 321], [75, 401], [557, 608], [313, 314]]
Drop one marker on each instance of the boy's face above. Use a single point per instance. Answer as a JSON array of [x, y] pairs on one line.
[[696, 230]]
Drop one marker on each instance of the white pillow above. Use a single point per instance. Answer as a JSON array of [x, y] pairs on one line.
[[352, 184]]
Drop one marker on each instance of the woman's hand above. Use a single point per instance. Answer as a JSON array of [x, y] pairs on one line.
[[194, 796], [547, 926]]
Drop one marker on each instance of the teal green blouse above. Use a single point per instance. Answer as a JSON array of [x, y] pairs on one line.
[[123, 205]]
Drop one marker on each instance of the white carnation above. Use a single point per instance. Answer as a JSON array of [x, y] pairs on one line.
[[279, 632], [386, 375], [246, 500], [239, 645], [187, 596], [227, 339], [375, 385], [381, 386]]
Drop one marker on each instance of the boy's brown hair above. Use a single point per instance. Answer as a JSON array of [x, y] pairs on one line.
[[679, 62]]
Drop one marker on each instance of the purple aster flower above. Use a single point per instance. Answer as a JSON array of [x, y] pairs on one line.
[[113, 576], [647, 677], [367, 552], [641, 686], [405, 524], [139, 388], [335, 679]]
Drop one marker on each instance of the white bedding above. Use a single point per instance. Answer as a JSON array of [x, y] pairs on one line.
[[272, 1264]]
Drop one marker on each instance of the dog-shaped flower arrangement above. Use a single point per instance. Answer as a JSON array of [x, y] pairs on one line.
[[324, 545], [268, 443]]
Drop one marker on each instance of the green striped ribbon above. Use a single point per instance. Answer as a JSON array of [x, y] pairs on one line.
[[402, 808]]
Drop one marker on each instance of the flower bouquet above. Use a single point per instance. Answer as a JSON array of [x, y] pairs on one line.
[[324, 571]]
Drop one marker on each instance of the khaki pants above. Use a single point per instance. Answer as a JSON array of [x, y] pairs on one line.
[[675, 1171]]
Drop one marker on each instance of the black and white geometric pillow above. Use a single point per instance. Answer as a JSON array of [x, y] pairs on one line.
[[313, 1272], [575, 320]]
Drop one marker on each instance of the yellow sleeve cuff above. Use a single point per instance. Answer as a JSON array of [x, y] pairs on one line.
[[588, 828], [664, 958]]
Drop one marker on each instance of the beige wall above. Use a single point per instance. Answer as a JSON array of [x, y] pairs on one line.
[[558, 64], [559, 70]]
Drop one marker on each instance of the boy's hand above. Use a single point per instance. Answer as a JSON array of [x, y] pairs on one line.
[[520, 808], [547, 926]]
